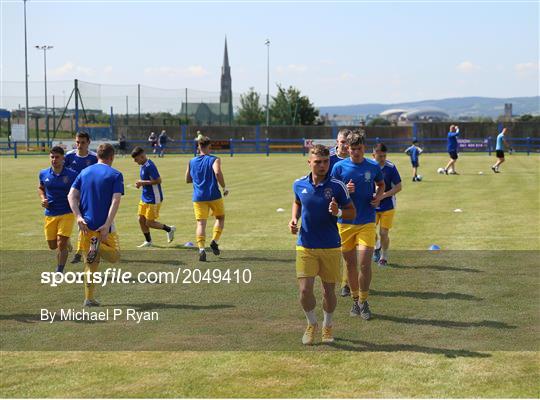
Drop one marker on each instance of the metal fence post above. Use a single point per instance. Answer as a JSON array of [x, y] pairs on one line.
[[15, 149], [231, 146], [303, 146], [489, 144], [528, 145], [267, 147], [257, 137]]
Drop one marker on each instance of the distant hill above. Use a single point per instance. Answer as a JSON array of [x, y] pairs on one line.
[[455, 107]]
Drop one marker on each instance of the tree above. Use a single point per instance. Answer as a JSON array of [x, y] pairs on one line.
[[289, 107], [379, 121], [250, 111]]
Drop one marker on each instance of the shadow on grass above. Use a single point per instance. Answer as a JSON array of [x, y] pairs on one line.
[[435, 268], [444, 323], [153, 261], [163, 306], [362, 345], [426, 295]]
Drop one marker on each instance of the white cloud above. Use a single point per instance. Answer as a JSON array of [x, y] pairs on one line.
[[171, 72], [467, 66], [70, 69], [527, 69]]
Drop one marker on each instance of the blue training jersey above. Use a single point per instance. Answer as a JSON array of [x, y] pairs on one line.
[[77, 163], [56, 189], [364, 175], [452, 141], [414, 153], [151, 194], [391, 179], [500, 142], [96, 185], [318, 228], [205, 184], [334, 158]]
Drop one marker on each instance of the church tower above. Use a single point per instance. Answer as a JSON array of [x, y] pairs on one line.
[[226, 84]]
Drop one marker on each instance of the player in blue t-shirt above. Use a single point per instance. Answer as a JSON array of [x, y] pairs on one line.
[[499, 150], [339, 152], [414, 152], [151, 198], [452, 148], [54, 185], [77, 160], [358, 235], [319, 200], [204, 171], [387, 206], [94, 199]]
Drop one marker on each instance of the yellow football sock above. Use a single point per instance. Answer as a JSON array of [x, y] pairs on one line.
[[354, 294], [363, 295], [216, 233], [201, 240], [89, 286]]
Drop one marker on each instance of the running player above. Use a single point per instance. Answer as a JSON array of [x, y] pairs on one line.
[[414, 152], [386, 209], [54, 185], [204, 171], [319, 201], [339, 152], [358, 234], [94, 199], [499, 150], [151, 198], [153, 140], [78, 160], [452, 148]]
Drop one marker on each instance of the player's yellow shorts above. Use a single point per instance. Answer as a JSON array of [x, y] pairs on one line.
[[386, 218], [59, 225], [354, 235], [322, 262], [149, 211], [108, 249], [202, 208]]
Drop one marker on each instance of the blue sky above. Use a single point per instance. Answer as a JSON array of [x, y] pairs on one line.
[[336, 53]]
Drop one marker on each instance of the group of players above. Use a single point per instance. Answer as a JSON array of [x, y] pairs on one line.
[[83, 186]]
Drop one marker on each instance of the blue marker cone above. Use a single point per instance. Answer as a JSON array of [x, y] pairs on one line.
[[434, 247], [189, 244]]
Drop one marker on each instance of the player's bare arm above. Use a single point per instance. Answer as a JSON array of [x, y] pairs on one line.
[[295, 214], [149, 182], [393, 191], [188, 175], [379, 193], [43, 196], [74, 197], [219, 175], [347, 212]]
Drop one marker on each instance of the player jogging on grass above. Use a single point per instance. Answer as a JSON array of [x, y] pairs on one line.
[[54, 185], [387, 207], [358, 234], [452, 148], [204, 171], [94, 199], [414, 152], [77, 160], [339, 152], [319, 201], [151, 198], [499, 150]]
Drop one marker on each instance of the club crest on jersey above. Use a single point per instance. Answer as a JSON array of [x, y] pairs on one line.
[[65, 179], [367, 176], [328, 193]]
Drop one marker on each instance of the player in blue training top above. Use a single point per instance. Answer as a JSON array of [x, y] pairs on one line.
[[452, 148], [78, 160], [339, 152], [204, 171], [499, 150], [387, 207], [151, 198], [318, 201], [414, 152], [54, 185], [361, 176], [94, 199]]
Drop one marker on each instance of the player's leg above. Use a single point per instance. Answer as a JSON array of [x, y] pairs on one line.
[[146, 232], [307, 268], [89, 268], [385, 245], [151, 216], [329, 272], [77, 257], [366, 242], [415, 173], [61, 252], [377, 252], [201, 210], [51, 232], [218, 210], [109, 248]]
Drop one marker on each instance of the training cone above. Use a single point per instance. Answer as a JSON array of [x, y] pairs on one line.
[[434, 247], [189, 244], [280, 210]]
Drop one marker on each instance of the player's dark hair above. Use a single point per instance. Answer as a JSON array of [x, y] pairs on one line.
[[83, 135], [344, 132], [380, 147], [105, 151], [137, 151], [415, 141], [203, 141], [356, 137], [320, 151], [57, 150]]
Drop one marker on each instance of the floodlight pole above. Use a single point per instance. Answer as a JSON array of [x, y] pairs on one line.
[[26, 116], [45, 48], [267, 43]]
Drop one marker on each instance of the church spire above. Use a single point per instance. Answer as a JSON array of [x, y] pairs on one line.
[[226, 55], [226, 84]]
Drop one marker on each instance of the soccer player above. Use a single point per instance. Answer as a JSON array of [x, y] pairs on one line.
[[358, 234], [78, 160], [162, 140], [151, 198], [319, 201], [94, 199], [54, 185], [153, 140], [204, 171], [499, 150], [413, 152], [452, 148], [386, 209], [339, 152]]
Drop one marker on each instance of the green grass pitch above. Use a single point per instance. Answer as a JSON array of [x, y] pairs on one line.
[[463, 322]]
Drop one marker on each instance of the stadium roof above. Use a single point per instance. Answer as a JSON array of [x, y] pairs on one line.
[[393, 111]]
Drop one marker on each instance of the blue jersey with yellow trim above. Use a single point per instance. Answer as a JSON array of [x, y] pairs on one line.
[[205, 184], [57, 187], [318, 228], [391, 178], [364, 175], [151, 194], [96, 185], [78, 163]]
